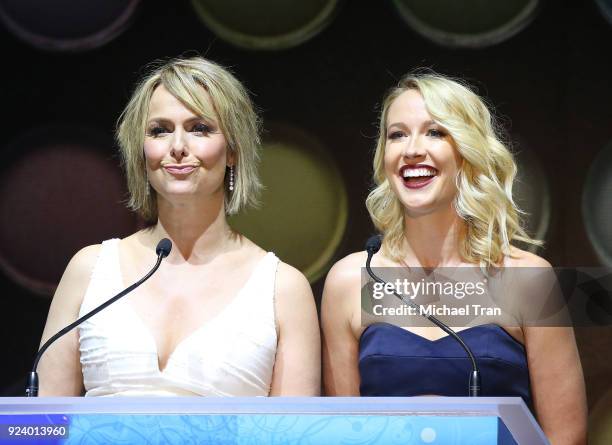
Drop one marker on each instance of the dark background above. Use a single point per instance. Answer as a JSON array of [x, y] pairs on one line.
[[550, 84]]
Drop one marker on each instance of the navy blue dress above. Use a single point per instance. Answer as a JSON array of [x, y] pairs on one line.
[[397, 362]]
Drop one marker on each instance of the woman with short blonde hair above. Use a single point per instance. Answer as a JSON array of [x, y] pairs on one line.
[[220, 317], [236, 115]]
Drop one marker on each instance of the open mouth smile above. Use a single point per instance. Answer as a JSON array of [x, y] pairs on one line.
[[417, 176]]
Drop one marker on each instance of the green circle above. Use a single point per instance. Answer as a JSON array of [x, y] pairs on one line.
[[531, 193], [467, 23], [597, 205], [265, 24], [304, 207]]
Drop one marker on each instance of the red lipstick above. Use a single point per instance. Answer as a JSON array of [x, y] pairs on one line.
[[417, 176]]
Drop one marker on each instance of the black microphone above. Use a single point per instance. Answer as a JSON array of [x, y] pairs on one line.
[[372, 246], [162, 250]]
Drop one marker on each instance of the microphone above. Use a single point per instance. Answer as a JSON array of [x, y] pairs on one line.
[[163, 247], [162, 250], [372, 246]]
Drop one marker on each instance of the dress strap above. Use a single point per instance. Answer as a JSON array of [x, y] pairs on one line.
[[105, 277], [261, 290]]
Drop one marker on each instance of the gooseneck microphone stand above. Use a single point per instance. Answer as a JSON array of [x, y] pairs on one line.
[[162, 250], [372, 246]]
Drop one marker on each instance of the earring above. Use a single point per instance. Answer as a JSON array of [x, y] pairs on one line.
[[231, 179]]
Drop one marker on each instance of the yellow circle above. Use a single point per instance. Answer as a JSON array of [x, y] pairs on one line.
[[597, 206], [304, 207], [532, 195], [265, 24], [468, 23], [600, 420]]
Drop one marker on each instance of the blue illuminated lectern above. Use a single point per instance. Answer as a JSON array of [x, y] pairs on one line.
[[280, 420]]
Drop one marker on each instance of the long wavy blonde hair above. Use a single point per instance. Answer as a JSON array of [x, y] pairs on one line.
[[233, 109], [484, 182]]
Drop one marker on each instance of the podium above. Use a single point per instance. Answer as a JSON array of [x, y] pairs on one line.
[[263, 420]]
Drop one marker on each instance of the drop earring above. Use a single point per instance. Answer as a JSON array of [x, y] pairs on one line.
[[231, 179]]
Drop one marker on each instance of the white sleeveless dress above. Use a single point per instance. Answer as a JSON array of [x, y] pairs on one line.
[[231, 355]]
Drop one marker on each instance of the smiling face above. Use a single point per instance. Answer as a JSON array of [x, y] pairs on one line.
[[185, 154], [421, 161]]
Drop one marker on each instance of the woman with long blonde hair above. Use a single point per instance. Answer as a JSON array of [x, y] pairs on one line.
[[443, 199]]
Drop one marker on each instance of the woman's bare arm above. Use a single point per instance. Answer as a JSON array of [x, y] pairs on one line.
[[297, 369], [340, 317], [59, 369], [557, 383]]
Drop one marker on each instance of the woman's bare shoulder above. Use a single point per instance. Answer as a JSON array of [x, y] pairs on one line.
[[523, 258], [247, 248], [344, 280], [84, 260], [294, 302], [348, 268], [289, 279], [76, 277]]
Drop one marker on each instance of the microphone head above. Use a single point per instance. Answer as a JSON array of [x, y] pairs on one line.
[[163, 247], [373, 244]]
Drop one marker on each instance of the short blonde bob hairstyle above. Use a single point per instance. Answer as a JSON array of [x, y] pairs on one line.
[[484, 182], [231, 107]]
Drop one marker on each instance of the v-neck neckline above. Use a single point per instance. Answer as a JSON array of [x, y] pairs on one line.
[[219, 316]]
